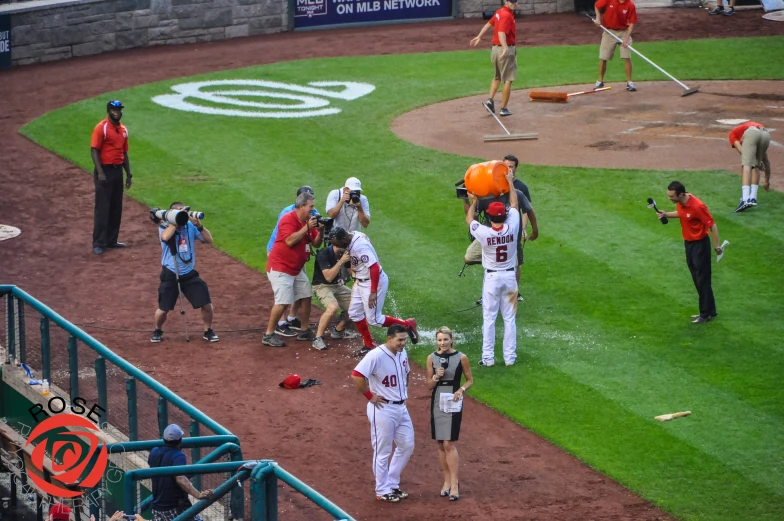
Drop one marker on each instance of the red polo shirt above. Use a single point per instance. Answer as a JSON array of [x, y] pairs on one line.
[[736, 134], [285, 258], [695, 218], [503, 22], [617, 15], [110, 141]]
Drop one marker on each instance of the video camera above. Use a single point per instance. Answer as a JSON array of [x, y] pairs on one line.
[[177, 217], [354, 196]]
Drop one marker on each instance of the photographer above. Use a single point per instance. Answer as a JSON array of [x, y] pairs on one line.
[[178, 258], [349, 207], [288, 325], [331, 290], [297, 230]]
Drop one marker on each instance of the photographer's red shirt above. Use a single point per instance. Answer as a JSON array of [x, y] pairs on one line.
[[284, 258], [617, 15], [503, 21], [110, 141], [696, 220]]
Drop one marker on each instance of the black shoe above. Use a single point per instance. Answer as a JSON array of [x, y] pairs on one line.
[[505, 112], [399, 493], [486, 364], [742, 207], [729, 12], [210, 336], [157, 336], [491, 105], [717, 10], [307, 335], [295, 324], [360, 352], [478, 302], [411, 329], [272, 340], [702, 320], [285, 330], [117, 245], [389, 498], [98, 251]]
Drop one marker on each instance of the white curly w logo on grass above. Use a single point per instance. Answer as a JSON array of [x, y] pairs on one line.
[[231, 98]]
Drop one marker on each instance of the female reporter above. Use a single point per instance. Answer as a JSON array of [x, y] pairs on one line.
[[445, 369]]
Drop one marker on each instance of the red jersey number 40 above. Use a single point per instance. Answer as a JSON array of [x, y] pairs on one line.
[[390, 381]]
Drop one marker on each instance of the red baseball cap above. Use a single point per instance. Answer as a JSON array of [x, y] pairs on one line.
[[60, 512], [496, 209], [292, 381]]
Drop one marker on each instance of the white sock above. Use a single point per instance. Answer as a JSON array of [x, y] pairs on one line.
[[281, 323], [746, 189], [291, 319], [754, 189]]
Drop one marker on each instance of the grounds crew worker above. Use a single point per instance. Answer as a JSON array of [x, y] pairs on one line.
[[503, 56], [109, 150]]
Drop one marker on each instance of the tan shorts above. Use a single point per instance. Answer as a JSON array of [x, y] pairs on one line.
[[506, 69], [607, 48], [289, 288], [337, 293], [754, 147]]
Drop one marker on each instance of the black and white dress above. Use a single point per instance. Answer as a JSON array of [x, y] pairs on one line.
[[445, 426]]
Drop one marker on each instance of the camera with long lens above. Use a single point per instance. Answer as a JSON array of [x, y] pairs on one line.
[[177, 217], [354, 196]]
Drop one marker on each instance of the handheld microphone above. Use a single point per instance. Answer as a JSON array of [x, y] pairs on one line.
[[652, 204]]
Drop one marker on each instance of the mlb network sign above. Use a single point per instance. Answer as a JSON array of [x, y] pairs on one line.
[[313, 13]]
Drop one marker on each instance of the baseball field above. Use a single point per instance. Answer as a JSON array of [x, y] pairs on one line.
[[605, 342]]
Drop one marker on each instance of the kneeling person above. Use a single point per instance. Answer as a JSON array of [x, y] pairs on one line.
[[331, 290], [178, 257]]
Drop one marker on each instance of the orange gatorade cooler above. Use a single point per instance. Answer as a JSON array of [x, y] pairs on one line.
[[487, 179]]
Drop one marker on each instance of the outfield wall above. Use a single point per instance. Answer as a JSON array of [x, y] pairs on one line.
[[48, 30]]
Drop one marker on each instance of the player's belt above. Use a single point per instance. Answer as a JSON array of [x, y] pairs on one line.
[[366, 280], [399, 402], [497, 271]]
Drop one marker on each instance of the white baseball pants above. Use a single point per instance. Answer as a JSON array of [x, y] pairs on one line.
[[499, 291], [358, 309], [388, 424]]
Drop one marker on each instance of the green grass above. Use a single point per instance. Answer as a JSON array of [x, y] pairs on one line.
[[604, 341]]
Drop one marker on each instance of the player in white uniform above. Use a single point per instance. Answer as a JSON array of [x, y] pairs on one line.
[[370, 288], [499, 247], [385, 371]]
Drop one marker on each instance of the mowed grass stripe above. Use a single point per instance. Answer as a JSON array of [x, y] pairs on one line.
[[242, 171]]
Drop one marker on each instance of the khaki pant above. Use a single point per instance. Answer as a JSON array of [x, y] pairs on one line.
[[337, 293], [754, 147], [506, 69], [289, 288], [607, 48]]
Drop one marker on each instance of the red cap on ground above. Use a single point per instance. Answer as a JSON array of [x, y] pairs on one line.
[[496, 209], [292, 381], [60, 512]]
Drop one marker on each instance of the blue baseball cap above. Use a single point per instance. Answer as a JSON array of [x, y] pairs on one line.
[[173, 433], [114, 104]]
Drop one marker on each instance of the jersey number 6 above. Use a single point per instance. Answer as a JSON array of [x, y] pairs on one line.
[[390, 381], [500, 254]]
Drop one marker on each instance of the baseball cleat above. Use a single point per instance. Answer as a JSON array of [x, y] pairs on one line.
[[411, 328], [399, 493], [157, 336], [486, 364], [359, 353], [742, 207], [509, 364], [389, 498], [478, 302], [520, 298], [752, 202]]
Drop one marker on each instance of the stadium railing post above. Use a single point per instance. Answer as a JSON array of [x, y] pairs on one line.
[[133, 424], [163, 415], [103, 398], [73, 367], [46, 361], [195, 451]]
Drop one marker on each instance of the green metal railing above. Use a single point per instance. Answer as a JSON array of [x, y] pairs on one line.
[[262, 474]]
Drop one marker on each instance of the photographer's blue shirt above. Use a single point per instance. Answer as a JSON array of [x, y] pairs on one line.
[[185, 239], [275, 231]]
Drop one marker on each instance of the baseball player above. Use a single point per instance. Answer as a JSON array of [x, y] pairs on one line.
[[499, 244], [370, 288], [382, 377]]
